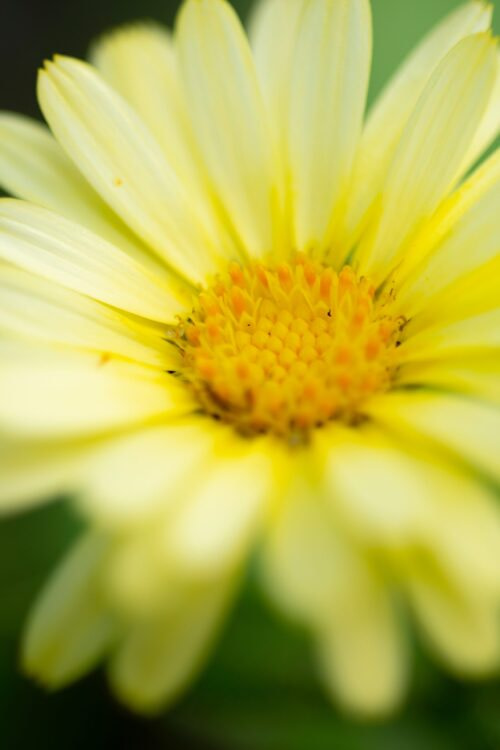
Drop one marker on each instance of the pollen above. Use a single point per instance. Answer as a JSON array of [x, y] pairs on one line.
[[286, 349]]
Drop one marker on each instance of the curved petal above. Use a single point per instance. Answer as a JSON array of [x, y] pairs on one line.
[[448, 283], [120, 158], [49, 393], [137, 475], [46, 244], [35, 168], [393, 107], [331, 66], [160, 656], [34, 308], [465, 426], [430, 151], [214, 527], [70, 627], [230, 121]]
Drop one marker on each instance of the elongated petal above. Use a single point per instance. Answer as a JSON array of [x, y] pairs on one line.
[[466, 338], [139, 61], [145, 472], [56, 249], [160, 656], [229, 120], [125, 165], [448, 283], [328, 92], [392, 109], [34, 308], [431, 150], [468, 427], [46, 393], [463, 630], [477, 376], [362, 657], [69, 628], [35, 168], [215, 526], [35, 472]]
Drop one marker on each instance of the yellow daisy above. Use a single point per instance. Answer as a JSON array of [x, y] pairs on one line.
[[238, 317]]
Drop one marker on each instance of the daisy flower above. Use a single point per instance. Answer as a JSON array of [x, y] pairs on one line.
[[239, 318]]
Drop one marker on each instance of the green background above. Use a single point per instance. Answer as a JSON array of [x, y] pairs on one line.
[[259, 691]]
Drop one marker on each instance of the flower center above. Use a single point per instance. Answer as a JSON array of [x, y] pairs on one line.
[[285, 349]]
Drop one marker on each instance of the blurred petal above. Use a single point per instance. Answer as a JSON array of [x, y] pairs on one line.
[[159, 657], [69, 628]]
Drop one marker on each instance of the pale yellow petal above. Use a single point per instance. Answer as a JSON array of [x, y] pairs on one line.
[[120, 158], [463, 237], [46, 244], [470, 337], [230, 121], [159, 657], [465, 426], [472, 376], [34, 308], [361, 653], [69, 628], [463, 630], [430, 151], [46, 393], [32, 473], [489, 127], [393, 107], [331, 65], [139, 61], [217, 524], [144, 473], [35, 168]]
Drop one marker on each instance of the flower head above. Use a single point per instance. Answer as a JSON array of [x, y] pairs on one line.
[[238, 316]]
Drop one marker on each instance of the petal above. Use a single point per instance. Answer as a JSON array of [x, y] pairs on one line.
[[470, 337], [397, 499], [159, 657], [467, 427], [229, 121], [479, 377], [32, 473], [431, 150], [306, 562], [215, 526], [448, 283], [393, 107], [56, 249], [138, 475], [34, 308], [463, 630], [139, 61], [489, 127], [119, 157], [361, 653], [273, 31], [35, 168], [69, 628], [46, 393], [328, 92]]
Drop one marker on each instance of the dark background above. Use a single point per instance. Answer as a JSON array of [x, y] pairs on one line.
[[259, 691]]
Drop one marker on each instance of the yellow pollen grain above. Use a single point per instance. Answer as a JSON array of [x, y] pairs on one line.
[[286, 349]]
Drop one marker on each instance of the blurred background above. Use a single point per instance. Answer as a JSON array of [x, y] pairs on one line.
[[259, 691]]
